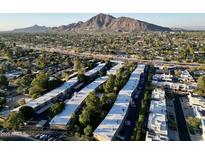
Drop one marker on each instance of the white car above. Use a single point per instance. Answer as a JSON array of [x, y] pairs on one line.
[[127, 122]]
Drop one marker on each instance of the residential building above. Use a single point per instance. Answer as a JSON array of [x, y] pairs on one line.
[[61, 120], [109, 128], [157, 121]]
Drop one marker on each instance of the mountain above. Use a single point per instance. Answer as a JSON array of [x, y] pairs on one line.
[[100, 22], [126, 24], [66, 27], [105, 22], [32, 29]]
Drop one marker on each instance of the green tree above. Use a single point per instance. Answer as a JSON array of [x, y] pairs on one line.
[[92, 101], [41, 80], [2, 101], [182, 54], [14, 121], [88, 130], [39, 84], [41, 63], [103, 99], [9, 54], [3, 81], [19, 52], [20, 90], [82, 77], [77, 64], [201, 85], [54, 83], [56, 108], [27, 112], [110, 84], [112, 96], [35, 91], [84, 117], [25, 81], [193, 124]]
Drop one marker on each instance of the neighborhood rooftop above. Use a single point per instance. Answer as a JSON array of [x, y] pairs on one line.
[[62, 89], [157, 121], [112, 122], [62, 119]]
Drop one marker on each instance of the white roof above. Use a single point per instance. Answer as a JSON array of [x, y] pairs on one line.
[[157, 121], [41, 123], [61, 89], [158, 106], [114, 118], [96, 69], [186, 75], [52, 94], [170, 84], [158, 94], [72, 105], [13, 74], [114, 69], [158, 124]]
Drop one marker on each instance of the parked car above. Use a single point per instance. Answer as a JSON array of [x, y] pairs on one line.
[[127, 122]]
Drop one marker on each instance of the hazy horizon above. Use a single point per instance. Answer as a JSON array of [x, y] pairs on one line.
[[10, 21]]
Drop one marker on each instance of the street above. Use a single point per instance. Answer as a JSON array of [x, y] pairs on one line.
[[181, 122]]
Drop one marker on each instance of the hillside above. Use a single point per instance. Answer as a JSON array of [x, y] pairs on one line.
[[100, 22], [105, 22]]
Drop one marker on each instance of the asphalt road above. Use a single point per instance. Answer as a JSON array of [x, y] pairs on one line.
[[181, 122], [133, 112]]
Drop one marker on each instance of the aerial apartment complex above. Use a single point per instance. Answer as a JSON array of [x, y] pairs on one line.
[[110, 126], [61, 120], [44, 102]]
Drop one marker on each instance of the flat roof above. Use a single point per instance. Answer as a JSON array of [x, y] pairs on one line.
[[157, 121], [158, 94], [115, 68], [171, 84], [158, 106], [52, 94], [96, 69], [158, 124], [41, 123], [61, 89], [114, 118], [72, 105]]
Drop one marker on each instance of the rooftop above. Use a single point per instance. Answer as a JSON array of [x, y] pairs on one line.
[[157, 121], [61, 89], [96, 69], [72, 105], [52, 94], [114, 118], [158, 94], [157, 126]]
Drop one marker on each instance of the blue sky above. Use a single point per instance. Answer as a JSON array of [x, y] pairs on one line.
[[15, 20]]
